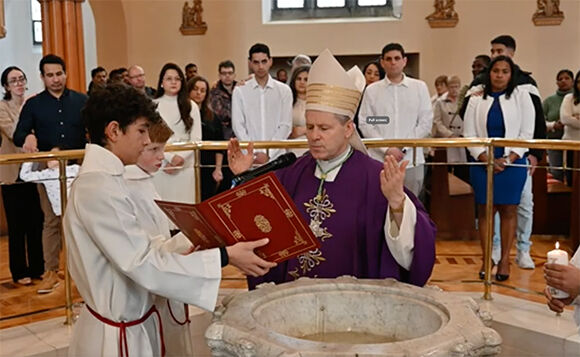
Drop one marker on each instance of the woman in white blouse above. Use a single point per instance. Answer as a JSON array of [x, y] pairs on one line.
[[570, 117], [176, 182], [503, 111]]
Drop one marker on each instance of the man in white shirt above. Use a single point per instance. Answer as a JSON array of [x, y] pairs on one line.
[[262, 107], [398, 107]]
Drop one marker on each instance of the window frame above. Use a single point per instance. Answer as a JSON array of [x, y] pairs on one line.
[[33, 24], [351, 10]]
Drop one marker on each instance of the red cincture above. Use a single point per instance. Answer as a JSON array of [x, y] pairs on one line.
[[123, 346], [186, 312]]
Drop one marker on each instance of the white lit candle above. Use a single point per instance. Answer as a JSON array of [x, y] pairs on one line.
[[557, 256]]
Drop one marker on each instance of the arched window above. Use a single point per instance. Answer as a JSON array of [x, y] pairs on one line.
[[35, 15], [287, 10]]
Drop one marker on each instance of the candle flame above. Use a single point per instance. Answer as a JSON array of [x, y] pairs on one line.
[[557, 245]]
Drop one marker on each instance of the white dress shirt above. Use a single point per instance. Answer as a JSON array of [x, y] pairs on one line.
[[407, 105], [260, 114]]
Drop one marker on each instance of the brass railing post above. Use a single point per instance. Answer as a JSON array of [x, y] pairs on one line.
[[565, 165], [67, 280], [489, 223], [197, 173]]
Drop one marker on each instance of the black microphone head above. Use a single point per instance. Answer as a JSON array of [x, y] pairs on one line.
[[287, 159], [281, 162]]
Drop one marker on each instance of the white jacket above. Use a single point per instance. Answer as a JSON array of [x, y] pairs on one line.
[[156, 224], [519, 118], [571, 123], [118, 268]]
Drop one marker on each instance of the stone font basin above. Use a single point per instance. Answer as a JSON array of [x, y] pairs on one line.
[[349, 317]]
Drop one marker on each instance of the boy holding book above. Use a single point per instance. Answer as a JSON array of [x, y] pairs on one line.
[[118, 269]]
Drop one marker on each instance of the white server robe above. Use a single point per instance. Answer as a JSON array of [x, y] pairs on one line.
[[116, 267], [142, 191]]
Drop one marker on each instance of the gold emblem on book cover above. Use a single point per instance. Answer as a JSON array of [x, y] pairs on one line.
[[265, 190], [263, 224], [298, 240], [227, 208]]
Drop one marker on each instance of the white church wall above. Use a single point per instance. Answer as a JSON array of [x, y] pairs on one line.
[[234, 25], [17, 48]]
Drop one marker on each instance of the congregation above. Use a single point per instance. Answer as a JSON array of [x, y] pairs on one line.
[[263, 107], [501, 100]]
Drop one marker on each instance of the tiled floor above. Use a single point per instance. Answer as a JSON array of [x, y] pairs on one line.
[[527, 327], [456, 269]]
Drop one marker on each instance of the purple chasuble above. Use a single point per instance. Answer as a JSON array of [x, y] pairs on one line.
[[351, 213]]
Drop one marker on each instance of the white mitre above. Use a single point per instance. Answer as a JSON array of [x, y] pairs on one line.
[[332, 89]]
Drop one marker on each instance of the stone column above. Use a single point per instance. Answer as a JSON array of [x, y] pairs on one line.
[[2, 23], [62, 31]]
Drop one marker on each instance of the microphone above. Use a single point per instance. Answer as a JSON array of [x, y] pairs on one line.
[[281, 162]]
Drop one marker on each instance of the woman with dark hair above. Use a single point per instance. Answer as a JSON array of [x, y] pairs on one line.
[[21, 200], [373, 72], [298, 83], [570, 117], [176, 182], [554, 127], [211, 129], [503, 111]]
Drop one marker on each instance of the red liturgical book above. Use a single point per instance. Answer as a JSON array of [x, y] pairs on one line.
[[260, 208]]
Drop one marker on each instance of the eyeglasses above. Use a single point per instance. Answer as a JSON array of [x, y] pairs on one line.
[[137, 76], [228, 73], [19, 80], [172, 79]]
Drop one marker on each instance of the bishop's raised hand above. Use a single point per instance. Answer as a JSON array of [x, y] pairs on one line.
[[392, 181], [237, 160]]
